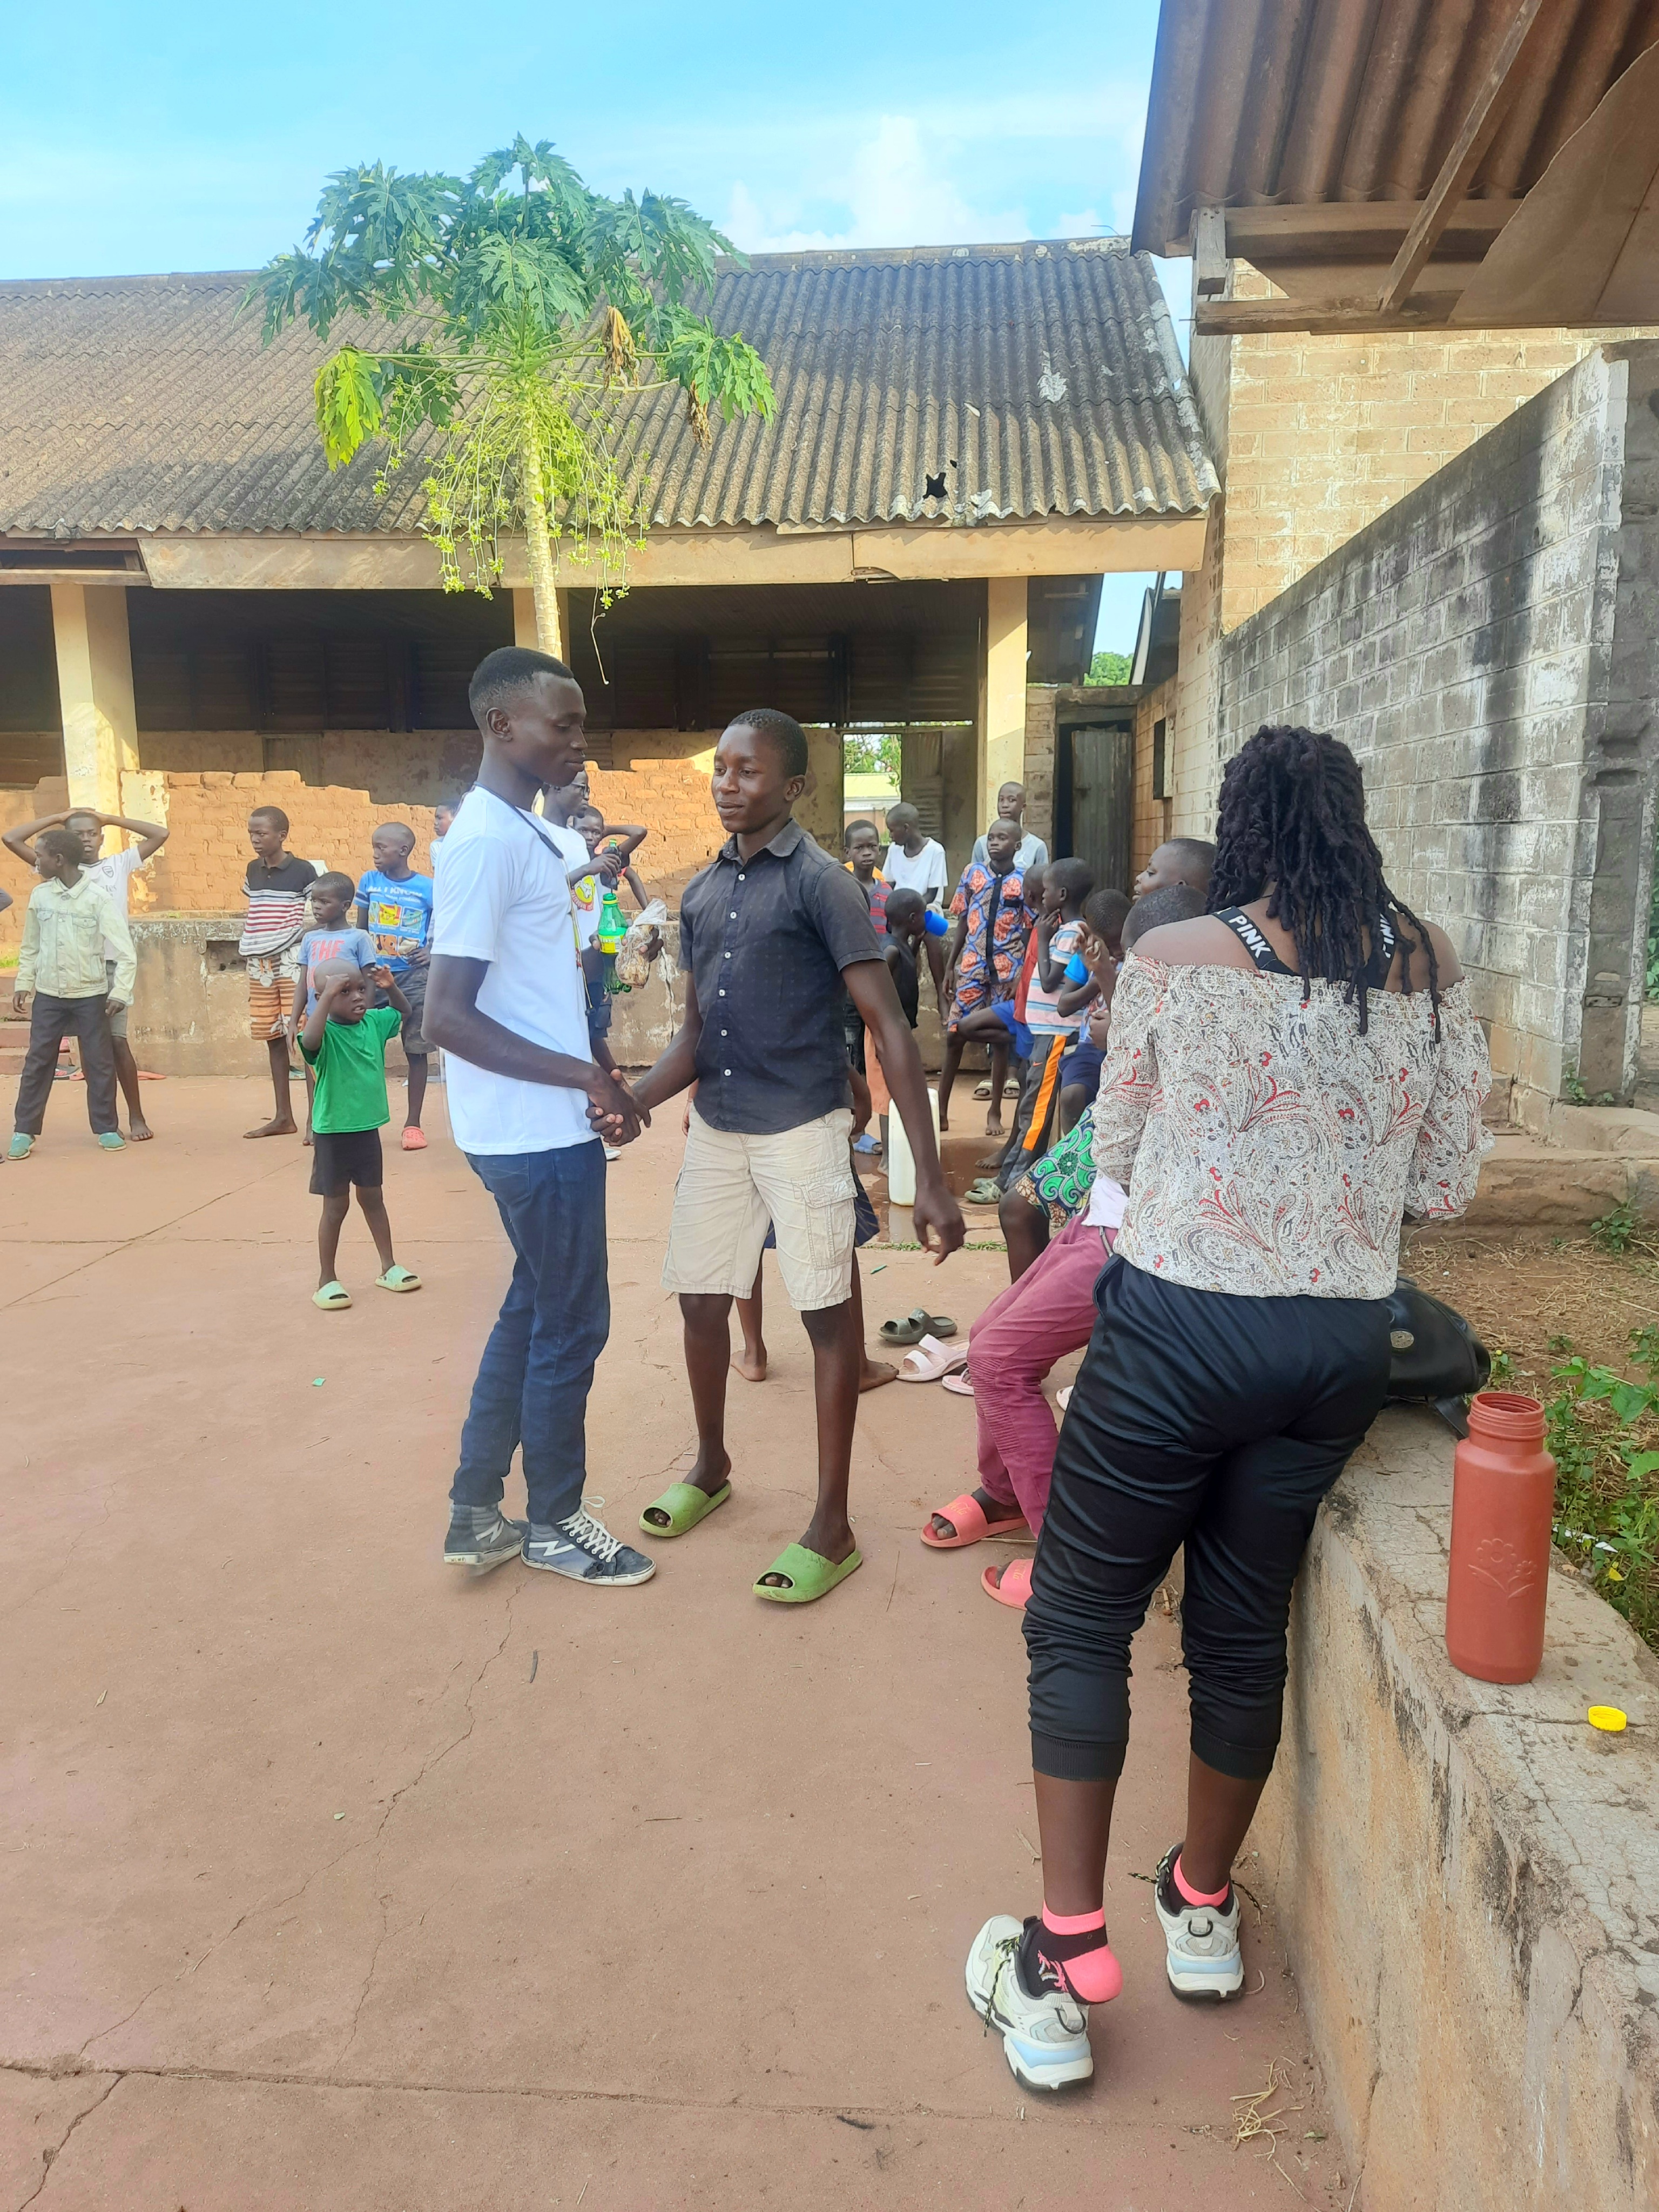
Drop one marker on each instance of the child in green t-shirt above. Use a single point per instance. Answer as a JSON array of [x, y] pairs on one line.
[[344, 1041]]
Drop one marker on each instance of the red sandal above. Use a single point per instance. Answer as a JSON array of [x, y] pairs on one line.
[[967, 1517], [1013, 1586]]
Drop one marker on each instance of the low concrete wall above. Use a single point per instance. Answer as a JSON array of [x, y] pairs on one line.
[[1467, 1876], [190, 1005]]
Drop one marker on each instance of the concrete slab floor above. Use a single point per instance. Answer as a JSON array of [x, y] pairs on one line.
[[335, 1879]]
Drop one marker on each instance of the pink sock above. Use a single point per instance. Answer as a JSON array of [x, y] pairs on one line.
[[1197, 1896], [1091, 1970]]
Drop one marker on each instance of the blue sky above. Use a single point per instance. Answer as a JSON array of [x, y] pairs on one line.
[[189, 136]]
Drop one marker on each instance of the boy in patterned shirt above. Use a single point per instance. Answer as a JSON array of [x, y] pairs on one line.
[[982, 963]]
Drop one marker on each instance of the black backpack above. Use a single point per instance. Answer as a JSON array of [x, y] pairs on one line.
[[1435, 1357]]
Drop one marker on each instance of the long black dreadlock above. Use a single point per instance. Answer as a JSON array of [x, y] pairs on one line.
[[1292, 823]]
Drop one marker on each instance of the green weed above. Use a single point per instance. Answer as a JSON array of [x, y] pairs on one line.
[[1603, 1430], [1617, 1229]]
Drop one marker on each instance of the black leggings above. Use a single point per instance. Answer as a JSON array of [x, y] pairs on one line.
[[1201, 1418]]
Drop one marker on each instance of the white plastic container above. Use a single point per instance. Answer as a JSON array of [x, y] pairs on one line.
[[901, 1160]]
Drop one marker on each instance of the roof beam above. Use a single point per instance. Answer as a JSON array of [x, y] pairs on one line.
[[1356, 230], [1492, 103], [1244, 318]]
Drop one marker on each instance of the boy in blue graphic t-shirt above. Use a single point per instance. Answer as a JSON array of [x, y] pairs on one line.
[[394, 905]]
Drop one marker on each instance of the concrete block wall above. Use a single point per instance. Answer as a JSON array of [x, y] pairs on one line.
[[1315, 437], [1469, 644]]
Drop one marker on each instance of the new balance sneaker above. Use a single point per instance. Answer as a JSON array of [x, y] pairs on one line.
[[1045, 2038], [1204, 1958], [585, 1549], [481, 1538]]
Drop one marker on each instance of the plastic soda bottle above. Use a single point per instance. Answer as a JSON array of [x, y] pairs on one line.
[[612, 928], [1503, 1501]]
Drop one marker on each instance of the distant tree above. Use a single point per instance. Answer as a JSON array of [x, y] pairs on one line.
[[870, 756], [1109, 668], [513, 311]]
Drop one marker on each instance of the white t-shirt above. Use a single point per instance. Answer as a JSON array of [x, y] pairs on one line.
[[922, 872], [116, 872], [503, 898], [586, 895], [1030, 853]]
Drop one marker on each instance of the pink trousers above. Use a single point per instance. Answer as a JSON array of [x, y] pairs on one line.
[[1048, 1312]]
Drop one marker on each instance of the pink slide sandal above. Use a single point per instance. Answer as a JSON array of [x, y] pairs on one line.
[[930, 1359], [967, 1516], [1012, 1587]]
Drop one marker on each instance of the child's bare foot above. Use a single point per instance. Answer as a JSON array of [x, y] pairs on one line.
[[874, 1373], [751, 1365], [139, 1130], [280, 1125], [306, 1139], [993, 1125]]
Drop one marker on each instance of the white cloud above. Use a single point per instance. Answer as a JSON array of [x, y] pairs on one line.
[[893, 188]]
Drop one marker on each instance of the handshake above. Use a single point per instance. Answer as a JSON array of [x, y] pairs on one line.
[[615, 1114]]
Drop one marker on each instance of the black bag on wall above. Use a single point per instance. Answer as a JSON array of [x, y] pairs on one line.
[[1435, 1357]]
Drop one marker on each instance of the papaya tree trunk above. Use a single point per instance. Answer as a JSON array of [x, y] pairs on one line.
[[539, 540]]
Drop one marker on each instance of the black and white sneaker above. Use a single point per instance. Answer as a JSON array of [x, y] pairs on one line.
[[478, 1543], [1203, 1958], [585, 1550]]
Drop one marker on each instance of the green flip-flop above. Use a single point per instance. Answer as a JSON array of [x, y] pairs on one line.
[[811, 1575], [685, 1505]]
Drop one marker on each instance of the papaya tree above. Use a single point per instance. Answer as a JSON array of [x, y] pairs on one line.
[[494, 328]]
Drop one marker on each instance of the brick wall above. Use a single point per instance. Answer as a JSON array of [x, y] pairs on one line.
[[1489, 648], [1041, 703], [1154, 818]]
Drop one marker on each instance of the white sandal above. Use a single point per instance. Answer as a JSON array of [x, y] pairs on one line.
[[930, 1360]]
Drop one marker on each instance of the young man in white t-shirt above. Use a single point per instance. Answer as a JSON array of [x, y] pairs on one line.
[[530, 1100], [915, 863], [115, 870]]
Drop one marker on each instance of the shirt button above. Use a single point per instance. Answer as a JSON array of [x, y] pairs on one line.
[[722, 995], [726, 956], [723, 1032], [743, 880], [733, 915], [726, 1071]]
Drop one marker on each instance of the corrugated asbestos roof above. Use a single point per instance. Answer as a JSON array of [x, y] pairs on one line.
[[1044, 379], [1297, 102]]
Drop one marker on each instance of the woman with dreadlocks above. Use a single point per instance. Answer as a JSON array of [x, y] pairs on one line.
[[1287, 1076]]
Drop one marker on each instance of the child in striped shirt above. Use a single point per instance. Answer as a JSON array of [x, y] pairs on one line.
[[276, 884]]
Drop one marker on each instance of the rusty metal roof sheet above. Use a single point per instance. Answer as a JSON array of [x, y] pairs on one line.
[[1298, 102], [1044, 379]]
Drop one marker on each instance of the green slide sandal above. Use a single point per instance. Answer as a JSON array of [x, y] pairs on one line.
[[810, 1575], [333, 1297], [682, 1505]]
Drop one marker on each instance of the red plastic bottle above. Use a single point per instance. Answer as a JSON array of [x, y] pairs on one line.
[[1502, 1498]]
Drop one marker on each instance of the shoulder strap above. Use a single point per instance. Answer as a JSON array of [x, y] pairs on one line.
[[1267, 960]]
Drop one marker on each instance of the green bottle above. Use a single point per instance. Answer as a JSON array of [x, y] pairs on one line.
[[612, 928]]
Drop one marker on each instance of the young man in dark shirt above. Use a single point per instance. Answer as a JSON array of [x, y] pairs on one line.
[[770, 935]]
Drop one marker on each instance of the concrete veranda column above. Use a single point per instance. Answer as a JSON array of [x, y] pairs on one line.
[[94, 687], [1002, 694]]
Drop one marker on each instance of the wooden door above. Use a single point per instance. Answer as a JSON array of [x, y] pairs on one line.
[[1102, 802]]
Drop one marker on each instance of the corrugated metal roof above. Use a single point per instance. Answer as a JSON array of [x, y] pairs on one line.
[[1299, 102], [1044, 379]]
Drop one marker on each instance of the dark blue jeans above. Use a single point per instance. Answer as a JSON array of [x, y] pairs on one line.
[[538, 1366]]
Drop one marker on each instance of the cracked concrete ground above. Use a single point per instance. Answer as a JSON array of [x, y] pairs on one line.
[[335, 1879]]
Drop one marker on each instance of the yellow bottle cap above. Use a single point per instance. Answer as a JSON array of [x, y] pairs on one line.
[[1607, 1717]]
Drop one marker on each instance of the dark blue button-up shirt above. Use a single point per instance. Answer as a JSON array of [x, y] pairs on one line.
[[765, 940]]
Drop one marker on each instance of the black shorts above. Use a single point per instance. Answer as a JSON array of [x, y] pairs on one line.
[[342, 1157]]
